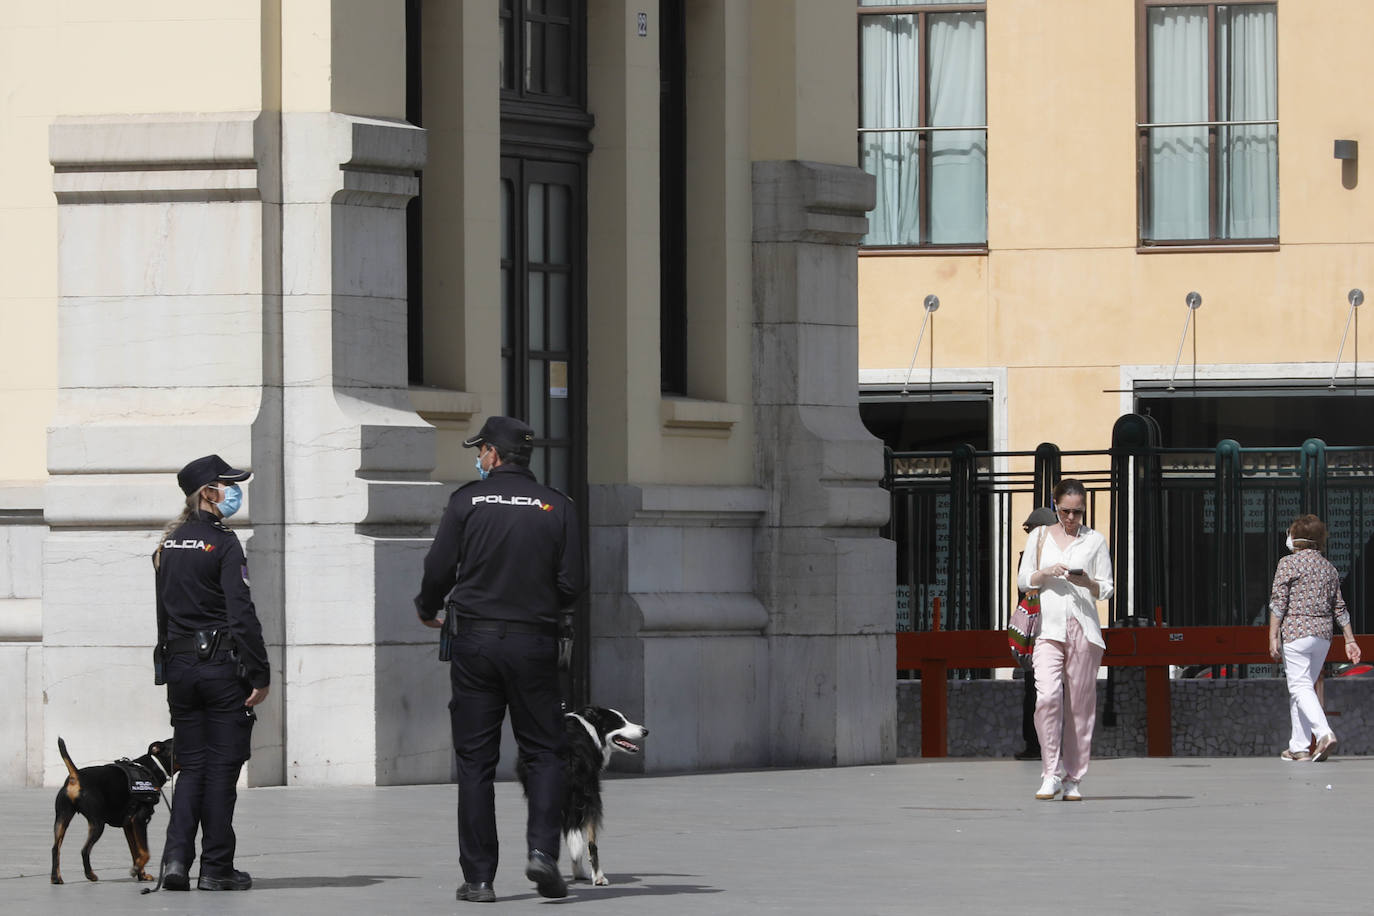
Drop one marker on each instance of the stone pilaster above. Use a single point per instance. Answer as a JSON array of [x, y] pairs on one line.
[[364, 691], [823, 573], [676, 629], [235, 283], [168, 318]]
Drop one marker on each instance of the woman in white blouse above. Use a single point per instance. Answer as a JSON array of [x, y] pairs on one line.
[[1073, 572]]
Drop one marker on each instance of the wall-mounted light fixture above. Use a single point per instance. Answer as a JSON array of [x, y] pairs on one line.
[[1194, 302], [1355, 297], [1348, 150], [931, 304]]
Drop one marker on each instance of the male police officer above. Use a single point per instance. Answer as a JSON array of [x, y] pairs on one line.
[[508, 558]]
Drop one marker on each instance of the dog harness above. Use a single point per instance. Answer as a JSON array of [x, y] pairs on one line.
[[143, 785]]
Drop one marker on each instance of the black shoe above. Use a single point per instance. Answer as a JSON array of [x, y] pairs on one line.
[[235, 881], [174, 877], [542, 869], [477, 892], [1028, 754]]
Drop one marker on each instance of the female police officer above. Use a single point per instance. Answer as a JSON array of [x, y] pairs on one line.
[[215, 667]]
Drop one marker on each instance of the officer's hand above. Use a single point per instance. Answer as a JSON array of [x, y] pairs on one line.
[[257, 696], [433, 623]]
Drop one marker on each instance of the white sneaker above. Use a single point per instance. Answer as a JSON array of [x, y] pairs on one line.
[[1071, 791], [1324, 745], [1049, 788]]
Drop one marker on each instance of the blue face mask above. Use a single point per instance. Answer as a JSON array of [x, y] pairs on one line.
[[481, 471], [233, 500]]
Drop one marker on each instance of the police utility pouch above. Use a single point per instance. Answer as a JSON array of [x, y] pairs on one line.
[[159, 666], [240, 669], [207, 641], [446, 637]]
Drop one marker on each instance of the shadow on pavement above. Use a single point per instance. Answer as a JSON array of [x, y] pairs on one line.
[[326, 881], [622, 886]]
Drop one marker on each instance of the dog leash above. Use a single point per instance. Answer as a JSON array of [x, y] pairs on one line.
[[162, 864]]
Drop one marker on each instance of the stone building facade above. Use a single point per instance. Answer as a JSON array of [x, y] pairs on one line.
[[226, 256]]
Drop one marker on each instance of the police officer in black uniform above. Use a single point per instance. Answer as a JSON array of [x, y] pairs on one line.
[[506, 560], [212, 658]]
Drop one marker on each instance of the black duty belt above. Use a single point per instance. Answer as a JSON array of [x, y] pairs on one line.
[[187, 645], [502, 627]]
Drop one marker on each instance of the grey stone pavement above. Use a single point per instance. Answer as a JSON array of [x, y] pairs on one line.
[[1157, 836]]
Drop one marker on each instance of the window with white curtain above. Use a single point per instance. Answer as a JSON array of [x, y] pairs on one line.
[[1208, 125], [923, 121]]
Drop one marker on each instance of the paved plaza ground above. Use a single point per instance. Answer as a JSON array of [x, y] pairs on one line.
[[1157, 836]]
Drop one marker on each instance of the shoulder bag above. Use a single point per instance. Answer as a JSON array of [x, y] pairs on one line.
[[1025, 620]]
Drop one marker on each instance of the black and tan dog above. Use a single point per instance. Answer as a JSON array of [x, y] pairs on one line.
[[121, 794]]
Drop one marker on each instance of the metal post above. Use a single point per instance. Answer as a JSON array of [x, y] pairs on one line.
[[1312, 467], [1230, 535], [963, 536], [1047, 470]]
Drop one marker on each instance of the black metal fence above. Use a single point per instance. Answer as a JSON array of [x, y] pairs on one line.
[[1194, 535]]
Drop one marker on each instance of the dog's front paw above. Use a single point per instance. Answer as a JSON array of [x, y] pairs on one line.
[[56, 879], [141, 875], [600, 881]]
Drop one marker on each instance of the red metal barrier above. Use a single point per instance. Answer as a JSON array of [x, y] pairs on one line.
[[1153, 648]]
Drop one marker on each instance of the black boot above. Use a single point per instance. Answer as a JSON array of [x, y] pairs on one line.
[[234, 881], [174, 877], [542, 869], [477, 892]]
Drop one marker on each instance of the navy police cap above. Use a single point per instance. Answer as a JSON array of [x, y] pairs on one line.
[[506, 433], [210, 469]]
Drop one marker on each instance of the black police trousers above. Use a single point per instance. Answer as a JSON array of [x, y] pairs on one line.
[[491, 671], [212, 732]]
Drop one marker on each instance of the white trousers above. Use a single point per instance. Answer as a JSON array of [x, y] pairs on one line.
[[1302, 661]]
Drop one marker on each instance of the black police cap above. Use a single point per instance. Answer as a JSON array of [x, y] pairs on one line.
[[506, 433], [210, 469]]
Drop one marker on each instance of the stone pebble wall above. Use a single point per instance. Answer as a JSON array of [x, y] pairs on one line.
[[1224, 718]]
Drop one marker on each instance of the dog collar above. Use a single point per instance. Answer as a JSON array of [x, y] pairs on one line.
[[588, 726]]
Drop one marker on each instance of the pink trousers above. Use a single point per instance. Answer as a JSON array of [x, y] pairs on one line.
[[1066, 701]]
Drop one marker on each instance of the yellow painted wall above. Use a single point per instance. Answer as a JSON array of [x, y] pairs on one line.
[[28, 237], [95, 57], [803, 65], [88, 57], [344, 55], [1063, 299]]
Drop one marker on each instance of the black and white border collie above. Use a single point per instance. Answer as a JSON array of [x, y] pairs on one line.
[[594, 734]]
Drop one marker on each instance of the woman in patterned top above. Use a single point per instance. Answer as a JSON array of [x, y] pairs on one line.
[[1306, 600]]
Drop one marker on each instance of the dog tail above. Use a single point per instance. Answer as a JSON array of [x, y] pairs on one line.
[[74, 780]]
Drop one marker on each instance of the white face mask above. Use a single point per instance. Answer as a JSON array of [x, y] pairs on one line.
[[1289, 543]]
